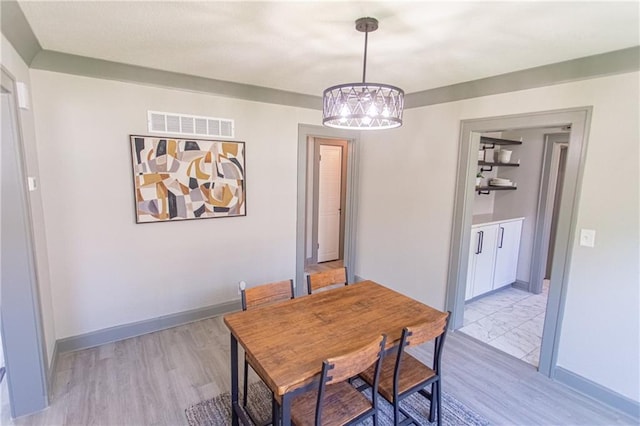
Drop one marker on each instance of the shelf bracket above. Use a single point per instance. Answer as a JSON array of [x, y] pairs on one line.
[[486, 146], [483, 192], [486, 168]]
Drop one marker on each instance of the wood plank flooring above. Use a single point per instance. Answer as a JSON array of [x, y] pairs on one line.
[[151, 379], [324, 266]]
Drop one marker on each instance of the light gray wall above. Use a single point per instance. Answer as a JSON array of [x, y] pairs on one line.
[[523, 202], [16, 67], [106, 270], [407, 181]]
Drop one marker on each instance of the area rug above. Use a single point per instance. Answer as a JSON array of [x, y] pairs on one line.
[[217, 411]]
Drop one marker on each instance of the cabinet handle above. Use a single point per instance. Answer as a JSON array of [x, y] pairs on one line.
[[480, 241], [501, 236]]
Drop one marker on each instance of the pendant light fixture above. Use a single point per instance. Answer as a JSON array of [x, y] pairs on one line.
[[365, 106]]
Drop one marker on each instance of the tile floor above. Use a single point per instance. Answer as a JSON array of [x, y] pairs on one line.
[[510, 320]]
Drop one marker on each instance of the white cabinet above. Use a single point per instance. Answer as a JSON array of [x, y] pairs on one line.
[[482, 255], [507, 251], [493, 256]]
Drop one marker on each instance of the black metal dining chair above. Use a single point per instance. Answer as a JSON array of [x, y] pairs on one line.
[[403, 375], [326, 279], [259, 296], [336, 401]]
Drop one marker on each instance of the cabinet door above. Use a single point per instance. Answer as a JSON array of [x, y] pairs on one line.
[[485, 238], [507, 251]]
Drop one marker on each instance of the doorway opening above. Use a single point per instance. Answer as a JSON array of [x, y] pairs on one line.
[[531, 260], [326, 203], [505, 300], [327, 185]]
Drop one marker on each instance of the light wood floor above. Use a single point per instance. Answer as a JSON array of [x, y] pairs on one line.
[[151, 379], [324, 266]]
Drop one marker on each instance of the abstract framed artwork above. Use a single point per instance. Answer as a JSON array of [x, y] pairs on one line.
[[182, 179]]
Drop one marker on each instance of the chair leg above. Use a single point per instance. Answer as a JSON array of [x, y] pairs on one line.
[[432, 399], [439, 402], [246, 382], [396, 411], [275, 417], [375, 419]]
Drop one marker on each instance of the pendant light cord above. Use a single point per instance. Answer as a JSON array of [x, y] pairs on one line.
[[364, 66]]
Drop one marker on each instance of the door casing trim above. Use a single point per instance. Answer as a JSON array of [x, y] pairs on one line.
[[36, 373], [470, 130], [352, 137], [544, 214]]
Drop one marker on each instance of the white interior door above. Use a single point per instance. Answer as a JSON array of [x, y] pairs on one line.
[[329, 196]]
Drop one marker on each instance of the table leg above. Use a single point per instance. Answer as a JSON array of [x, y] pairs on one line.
[[234, 380], [286, 409]]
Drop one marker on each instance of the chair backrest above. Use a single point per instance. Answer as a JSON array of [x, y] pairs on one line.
[[421, 333], [267, 293], [342, 367], [326, 279]]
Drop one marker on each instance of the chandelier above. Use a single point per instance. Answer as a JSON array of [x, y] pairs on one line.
[[365, 106]]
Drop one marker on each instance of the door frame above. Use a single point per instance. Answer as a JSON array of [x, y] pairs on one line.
[[22, 331], [544, 213], [305, 131], [342, 143], [469, 143]]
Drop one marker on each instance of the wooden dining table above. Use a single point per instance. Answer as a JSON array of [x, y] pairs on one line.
[[286, 342]]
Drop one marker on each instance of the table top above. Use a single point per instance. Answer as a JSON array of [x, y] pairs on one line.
[[286, 342]]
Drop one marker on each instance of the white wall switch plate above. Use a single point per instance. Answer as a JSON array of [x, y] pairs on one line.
[[32, 182], [587, 237], [23, 95]]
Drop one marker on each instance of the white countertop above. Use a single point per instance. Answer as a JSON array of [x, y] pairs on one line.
[[490, 219]]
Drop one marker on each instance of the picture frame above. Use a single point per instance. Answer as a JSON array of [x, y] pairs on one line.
[[183, 179]]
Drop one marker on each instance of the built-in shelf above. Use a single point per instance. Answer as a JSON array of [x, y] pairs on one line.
[[487, 166], [485, 140], [488, 189], [491, 165]]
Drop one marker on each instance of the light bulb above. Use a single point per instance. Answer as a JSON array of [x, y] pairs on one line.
[[366, 120], [372, 111], [385, 112], [344, 111]]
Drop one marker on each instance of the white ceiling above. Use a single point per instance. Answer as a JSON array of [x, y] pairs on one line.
[[306, 46]]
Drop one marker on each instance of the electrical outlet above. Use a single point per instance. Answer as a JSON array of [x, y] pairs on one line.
[[587, 237]]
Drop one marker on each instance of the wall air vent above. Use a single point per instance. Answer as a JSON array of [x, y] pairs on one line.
[[190, 125]]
